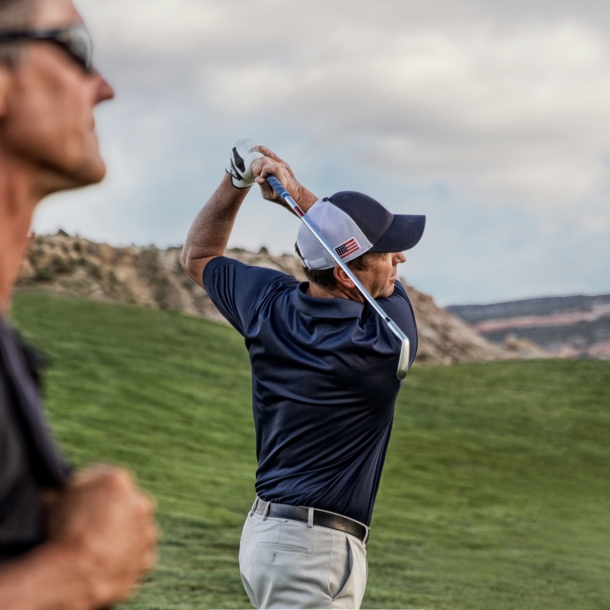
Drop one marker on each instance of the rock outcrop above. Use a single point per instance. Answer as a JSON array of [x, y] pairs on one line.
[[152, 277]]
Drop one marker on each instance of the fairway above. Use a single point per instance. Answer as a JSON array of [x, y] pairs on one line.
[[495, 494]]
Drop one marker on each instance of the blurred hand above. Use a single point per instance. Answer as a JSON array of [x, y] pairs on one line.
[[108, 521], [271, 164]]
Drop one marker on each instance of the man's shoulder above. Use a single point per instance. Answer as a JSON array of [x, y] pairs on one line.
[[258, 273], [238, 289]]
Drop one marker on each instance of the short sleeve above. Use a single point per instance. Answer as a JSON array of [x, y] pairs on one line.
[[398, 307], [237, 289]]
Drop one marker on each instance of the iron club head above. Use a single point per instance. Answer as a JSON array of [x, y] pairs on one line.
[[403, 363]]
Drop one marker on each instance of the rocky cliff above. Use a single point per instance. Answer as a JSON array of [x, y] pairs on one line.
[[154, 278]]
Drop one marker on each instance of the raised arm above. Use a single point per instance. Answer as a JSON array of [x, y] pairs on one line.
[[211, 229]]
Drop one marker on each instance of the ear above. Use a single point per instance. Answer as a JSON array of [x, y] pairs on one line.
[[342, 278]]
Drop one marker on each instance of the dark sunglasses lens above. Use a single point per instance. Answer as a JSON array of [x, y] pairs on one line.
[[78, 41]]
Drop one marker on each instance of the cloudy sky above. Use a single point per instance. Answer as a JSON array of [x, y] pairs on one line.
[[492, 118]]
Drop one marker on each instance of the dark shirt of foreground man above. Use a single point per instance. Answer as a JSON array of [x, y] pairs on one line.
[[29, 460], [68, 540]]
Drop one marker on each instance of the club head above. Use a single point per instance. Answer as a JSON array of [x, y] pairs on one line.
[[403, 363]]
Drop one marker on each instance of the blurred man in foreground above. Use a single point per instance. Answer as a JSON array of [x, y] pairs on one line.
[[67, 540]]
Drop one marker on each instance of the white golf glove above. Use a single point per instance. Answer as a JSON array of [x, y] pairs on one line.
[[240, 163]]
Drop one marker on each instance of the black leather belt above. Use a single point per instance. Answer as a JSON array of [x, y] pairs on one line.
[[320, 517]]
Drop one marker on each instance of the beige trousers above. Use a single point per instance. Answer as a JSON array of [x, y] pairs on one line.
[[286, 564]]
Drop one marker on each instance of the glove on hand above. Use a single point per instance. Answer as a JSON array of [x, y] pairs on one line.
[[240, 163]]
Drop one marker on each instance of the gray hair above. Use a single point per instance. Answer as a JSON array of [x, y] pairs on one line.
[[14, 15]]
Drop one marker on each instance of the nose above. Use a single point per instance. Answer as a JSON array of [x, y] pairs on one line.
[[398, 257], [104, 91]]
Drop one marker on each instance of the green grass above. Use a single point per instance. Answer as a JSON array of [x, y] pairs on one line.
[[495, 494]]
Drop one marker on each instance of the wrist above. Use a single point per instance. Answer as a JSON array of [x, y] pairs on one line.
[[52, 576], [85, 576], [238, 185]]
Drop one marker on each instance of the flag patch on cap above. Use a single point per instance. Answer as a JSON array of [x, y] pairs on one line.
[[346, 248]]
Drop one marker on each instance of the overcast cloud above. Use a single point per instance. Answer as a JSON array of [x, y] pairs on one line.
[[492, 118]]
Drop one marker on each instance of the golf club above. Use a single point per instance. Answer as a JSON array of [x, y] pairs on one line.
[[403, 363]]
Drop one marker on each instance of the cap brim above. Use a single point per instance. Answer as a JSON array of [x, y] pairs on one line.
[[403, 234]]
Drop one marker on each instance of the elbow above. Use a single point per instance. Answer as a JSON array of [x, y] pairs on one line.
[[193, 265], [184, 259], [188, 262]]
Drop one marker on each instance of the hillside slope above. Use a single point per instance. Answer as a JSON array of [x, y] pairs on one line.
[[494, 494], [154, 278]]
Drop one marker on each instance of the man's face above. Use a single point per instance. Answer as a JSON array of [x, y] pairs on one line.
[[46, 118], [380, 273]]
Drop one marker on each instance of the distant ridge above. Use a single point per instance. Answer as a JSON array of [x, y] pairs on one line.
[[576, 326], [529, 307], [152, 277]]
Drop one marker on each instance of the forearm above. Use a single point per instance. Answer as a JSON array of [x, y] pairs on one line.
[[211, 229], [51, 577], [306, 199]]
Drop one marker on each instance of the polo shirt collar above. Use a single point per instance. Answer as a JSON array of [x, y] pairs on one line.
[[325, 308]]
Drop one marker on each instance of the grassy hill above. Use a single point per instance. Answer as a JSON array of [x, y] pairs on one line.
[[495, 493]]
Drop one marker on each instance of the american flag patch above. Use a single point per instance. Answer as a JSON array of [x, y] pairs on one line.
[[346, 248]]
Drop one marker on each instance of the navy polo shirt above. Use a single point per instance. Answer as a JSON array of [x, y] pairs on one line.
[[323, 385]]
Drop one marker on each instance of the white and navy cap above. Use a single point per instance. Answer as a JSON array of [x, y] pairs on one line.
[[352, 224]]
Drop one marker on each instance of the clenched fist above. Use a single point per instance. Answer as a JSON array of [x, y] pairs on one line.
[[108, 522]]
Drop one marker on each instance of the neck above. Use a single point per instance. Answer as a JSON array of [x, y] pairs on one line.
[[17, 204], [341, 292]]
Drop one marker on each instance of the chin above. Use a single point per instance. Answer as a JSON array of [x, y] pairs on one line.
[[98, 173], [384, 294], [90, 172], [66, 179]]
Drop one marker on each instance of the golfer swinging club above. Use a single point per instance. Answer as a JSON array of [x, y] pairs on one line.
[[324, 379]]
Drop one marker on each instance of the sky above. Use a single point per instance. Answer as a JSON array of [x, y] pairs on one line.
[[492, 118]]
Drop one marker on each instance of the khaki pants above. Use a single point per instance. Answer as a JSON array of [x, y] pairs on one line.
[[286, 564]]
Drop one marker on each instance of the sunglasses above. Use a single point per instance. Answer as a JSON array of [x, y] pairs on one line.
[[75, 40]]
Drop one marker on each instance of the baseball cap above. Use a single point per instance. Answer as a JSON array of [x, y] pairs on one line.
[[352, 224]]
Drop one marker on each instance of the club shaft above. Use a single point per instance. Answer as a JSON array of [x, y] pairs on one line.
[[285, 195]]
